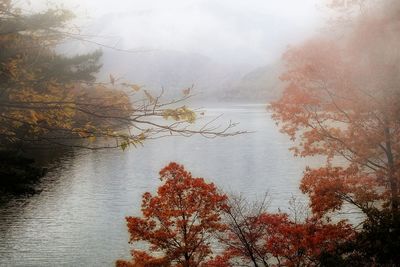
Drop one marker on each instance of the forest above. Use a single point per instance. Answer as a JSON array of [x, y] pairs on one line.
[[335, 96]]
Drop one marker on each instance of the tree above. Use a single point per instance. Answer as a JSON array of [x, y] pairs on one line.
[[260, 238], [341, 102], [178, 223], [305, 243], [185, 220], [245, 235], [35, 81], [47, 98], [51, 100]]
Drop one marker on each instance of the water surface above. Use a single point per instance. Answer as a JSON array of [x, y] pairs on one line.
[[78, 218]]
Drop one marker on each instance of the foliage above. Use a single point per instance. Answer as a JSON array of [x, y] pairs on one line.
[[51, 100], [182, 113], [179, 221], [341, 102], [375, 245], [245, 235], [35, 80], [255, 236], [142, 259], [47, 98], [187, 217]]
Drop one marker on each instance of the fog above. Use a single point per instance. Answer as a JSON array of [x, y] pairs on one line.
[[176, 43], [249, 32]]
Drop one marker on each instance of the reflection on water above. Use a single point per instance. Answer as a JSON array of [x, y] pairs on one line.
[[78, 218]]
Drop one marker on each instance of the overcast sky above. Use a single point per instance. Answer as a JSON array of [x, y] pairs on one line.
[[233, 31]]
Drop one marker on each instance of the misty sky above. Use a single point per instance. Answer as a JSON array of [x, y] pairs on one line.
[[230, 31]]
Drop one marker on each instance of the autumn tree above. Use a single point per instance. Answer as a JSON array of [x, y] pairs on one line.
[[341, 102], [33, 78], [178, 222], [304, 243], [244, 236], [51, 100], [254, 236], [48, 98]]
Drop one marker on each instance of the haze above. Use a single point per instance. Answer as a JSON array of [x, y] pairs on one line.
[[216, 45], [250, 32]]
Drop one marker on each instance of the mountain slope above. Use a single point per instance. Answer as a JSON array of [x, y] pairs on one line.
[[259, 85]]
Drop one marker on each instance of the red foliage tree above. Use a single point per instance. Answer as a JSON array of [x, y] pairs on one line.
[[255, 237], [302, 244], [274, 239], [342, 101], [178, 222]]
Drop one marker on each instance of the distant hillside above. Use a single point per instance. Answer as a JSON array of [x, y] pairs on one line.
[[172, 70], [213, 82], [259, 85]]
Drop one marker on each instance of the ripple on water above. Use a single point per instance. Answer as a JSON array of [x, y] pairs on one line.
[[78, 218]]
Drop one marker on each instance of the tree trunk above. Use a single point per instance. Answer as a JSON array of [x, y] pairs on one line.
[[392, 177]]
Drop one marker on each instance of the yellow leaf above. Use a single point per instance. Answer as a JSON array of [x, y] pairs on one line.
[[136, 87]]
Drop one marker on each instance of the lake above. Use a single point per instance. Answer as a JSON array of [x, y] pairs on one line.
[[78, 217]]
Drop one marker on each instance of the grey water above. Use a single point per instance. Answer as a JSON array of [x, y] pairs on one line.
[[78, 217]]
